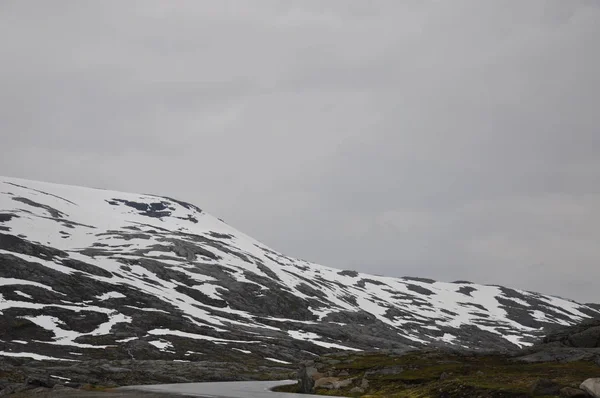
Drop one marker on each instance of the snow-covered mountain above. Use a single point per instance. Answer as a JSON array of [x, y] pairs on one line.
[[88, 273]]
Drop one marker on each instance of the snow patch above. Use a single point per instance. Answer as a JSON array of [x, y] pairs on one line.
[[20, 293], [278, 361], [36, 357], [110, 295], [161, 344]]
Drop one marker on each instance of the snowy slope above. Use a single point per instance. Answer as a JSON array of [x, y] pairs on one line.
[[96, 273]]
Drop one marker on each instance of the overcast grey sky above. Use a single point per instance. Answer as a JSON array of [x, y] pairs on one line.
[[443, 139]]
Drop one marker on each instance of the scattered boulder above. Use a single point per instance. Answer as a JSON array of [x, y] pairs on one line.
[[307, 376], [357, 391], [592, 387], [332, 383], [326, 382], [40, 381], [344, 383]]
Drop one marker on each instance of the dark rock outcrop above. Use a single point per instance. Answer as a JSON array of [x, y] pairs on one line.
[[583, 335], [307, 375]]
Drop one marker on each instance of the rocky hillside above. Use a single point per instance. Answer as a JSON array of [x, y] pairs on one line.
[[96, 274]]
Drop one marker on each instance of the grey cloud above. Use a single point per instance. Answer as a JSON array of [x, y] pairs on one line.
[[452, 140]]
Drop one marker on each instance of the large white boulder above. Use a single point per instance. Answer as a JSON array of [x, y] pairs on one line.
[[592, 387]]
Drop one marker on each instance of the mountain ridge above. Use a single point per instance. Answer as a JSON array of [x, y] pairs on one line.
[[94, 273]]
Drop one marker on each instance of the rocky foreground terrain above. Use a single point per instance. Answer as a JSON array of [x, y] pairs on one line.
[[555, 367], [559, 366], [30, 377]]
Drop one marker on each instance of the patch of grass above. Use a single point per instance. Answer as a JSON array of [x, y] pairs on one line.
[[430, 374]]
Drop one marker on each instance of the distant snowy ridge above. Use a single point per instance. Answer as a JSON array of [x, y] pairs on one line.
[[94, 273]]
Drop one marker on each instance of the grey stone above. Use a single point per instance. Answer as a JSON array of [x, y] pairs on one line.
[[306, 379], [40, 381], [592, 387], [332, 383], [327, 383]]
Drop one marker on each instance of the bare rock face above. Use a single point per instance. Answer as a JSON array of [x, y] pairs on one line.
[[592, 387], [364, 383], [26, 375], [583, 335], [307, 376], [567, 344], [328, 383], [332, 383], [40, 381]]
